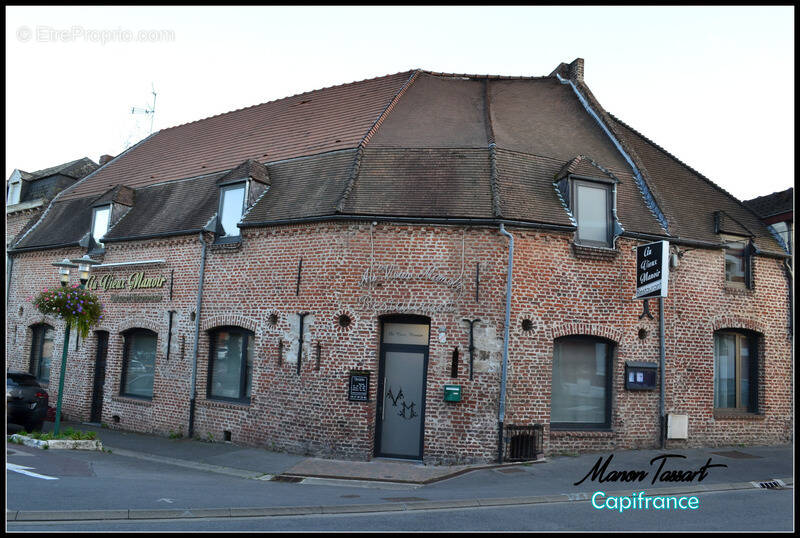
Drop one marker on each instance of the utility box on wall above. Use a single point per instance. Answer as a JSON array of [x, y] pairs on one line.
[[677, 426], [452, 393], [640, 375]]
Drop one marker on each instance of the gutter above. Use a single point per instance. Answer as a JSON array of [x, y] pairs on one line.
[[502, 411], [698, 244], [150, 236], [412, 220], [193, 390]]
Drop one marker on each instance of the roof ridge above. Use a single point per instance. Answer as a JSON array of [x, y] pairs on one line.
[[487, 77], [497, 208], [692, 170], [651, 195], [71, 187], [284, 98], [356, 167], [767, 195]]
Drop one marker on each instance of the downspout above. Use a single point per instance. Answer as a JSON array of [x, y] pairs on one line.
[[502, 413], [8, 278], [193, 390]]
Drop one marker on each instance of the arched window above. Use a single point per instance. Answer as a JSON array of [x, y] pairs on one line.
[[736, 370], [581, 395], [230, 364], [138, 363], [41, 351]]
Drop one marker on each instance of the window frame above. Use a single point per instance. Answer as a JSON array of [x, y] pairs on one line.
[[609, 186], [754, 388], [94, 221], [17, 193], [37, 348], [223, 188], [249, 340], [747, 261], [127, 337], [609, 385]]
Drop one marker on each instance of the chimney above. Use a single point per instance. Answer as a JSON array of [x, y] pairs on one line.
[[576, 70], [105, 158], [572, 71]]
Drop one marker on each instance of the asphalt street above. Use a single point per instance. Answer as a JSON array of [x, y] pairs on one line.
[[755, 511], [155, 483]]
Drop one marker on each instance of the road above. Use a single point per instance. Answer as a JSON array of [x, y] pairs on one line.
[[766, 511], [75, 480]]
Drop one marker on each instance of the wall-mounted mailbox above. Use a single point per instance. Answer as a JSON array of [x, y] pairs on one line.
[[640, 375], [452, 393]]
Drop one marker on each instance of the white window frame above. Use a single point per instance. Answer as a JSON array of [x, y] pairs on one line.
[[13, 194], [576, 183], [94, 222], [234, 235]]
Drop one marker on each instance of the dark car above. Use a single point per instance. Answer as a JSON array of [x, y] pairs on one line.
[[26, 401]]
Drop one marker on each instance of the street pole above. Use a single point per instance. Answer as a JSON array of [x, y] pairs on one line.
[[84, 266], [61, 379]]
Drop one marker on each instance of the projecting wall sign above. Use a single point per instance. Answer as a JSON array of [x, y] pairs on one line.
[[652, 270]]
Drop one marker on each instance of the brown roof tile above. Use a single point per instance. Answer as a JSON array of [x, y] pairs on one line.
[[315, 122], [422, 183], [693, 199], [772, 204]]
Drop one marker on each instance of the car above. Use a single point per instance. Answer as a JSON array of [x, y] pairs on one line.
[[26, 401]]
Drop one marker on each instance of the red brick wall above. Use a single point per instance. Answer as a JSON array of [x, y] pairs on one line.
[[310, 413], [16, 221]]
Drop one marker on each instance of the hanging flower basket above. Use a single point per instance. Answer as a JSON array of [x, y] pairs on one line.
[[78, 307]]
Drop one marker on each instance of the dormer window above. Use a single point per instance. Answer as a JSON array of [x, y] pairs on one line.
[[100, 220], [737, 264], [231, 208], [14, 190], [589, 193], [592, 207]]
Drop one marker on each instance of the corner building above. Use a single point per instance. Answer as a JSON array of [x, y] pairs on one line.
[[311, 273]]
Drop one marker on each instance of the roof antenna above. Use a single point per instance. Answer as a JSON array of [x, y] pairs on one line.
[[150, 110]]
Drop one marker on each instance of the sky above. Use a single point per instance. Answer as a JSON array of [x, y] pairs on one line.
[[714, 86]]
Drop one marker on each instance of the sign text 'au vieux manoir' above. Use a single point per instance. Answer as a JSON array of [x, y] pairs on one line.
[[134, 281]]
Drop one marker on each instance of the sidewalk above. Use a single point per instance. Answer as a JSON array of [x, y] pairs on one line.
[[743, 463], [248, 462], [436, 487]]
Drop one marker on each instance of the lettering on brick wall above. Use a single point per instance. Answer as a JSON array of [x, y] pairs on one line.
[[393, 272], [135, 298], [408, 305], [134, 281]]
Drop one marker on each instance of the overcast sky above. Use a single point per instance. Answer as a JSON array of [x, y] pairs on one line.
[[712, 85]]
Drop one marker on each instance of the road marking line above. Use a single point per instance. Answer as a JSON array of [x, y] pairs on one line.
[[23, 470]]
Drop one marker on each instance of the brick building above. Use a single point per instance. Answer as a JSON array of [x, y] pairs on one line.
[[777, 212], [309, 274]]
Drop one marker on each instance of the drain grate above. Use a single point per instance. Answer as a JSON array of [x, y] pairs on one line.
[[284, 478], [771, 484], [735, 454], [404, 499]]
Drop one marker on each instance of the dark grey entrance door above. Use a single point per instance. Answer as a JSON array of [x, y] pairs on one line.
[[401, 387], [99, 376]]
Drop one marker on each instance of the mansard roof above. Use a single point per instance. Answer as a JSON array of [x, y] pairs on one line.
[[415, 144]]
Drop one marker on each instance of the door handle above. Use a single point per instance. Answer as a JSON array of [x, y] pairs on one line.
[[383, 401]]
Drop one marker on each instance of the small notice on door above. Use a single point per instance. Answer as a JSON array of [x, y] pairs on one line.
[[359, 386]]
